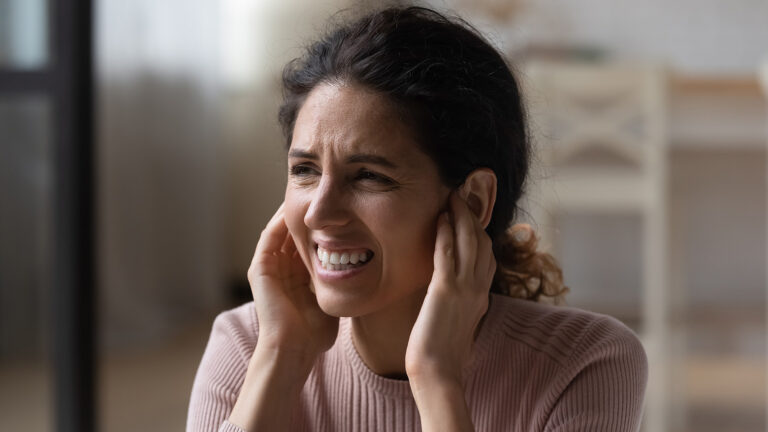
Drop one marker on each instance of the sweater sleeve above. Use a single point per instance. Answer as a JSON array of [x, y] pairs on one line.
[[604, 384], [222, 371]]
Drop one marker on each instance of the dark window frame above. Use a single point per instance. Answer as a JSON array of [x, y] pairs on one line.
[[67, 81]]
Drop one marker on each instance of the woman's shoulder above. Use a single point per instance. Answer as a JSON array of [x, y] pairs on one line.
[[223, 367], [564, 333], [237, 327]]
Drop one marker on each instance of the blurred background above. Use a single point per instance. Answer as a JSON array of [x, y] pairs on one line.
[[650, 125]]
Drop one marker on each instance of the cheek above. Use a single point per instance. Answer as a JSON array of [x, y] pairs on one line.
[[408, 237]]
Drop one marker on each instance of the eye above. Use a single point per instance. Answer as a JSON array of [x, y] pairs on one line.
[[366, 175], [302, 171]]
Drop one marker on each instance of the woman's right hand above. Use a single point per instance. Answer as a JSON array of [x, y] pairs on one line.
[[293, 331], [290, 319]]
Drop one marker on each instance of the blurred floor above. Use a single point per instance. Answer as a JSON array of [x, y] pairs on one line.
[[25, 389], [724, 394], [149, 390], [143, 390]]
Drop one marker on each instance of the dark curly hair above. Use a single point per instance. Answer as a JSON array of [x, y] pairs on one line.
[[459, 96]]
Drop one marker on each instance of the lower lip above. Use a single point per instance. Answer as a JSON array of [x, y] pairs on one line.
[[336, 275]]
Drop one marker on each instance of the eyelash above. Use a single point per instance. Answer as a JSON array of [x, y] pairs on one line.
[[363, 174], [299, 170], [369, 175]]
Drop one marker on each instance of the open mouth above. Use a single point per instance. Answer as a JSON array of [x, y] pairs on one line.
[[339, 260]]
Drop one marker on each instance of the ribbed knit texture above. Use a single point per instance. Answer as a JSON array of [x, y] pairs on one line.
[[535, 367]]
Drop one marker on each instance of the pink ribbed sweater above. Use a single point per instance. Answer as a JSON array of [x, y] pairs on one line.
[[537, 368]]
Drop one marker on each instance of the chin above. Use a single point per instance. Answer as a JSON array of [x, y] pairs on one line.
[[334, 304], [340, 305]]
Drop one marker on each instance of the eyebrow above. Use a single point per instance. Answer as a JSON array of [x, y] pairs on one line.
[[355, 158]]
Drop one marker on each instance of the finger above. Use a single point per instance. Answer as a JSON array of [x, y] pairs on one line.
[[492, 268], [273, 235], [289, 246], [444, 259], [466, 237], [278, 213], [484, 254], [284, 254], [489, 272]]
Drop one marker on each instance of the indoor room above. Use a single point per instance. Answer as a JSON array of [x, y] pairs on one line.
[[141, 158]]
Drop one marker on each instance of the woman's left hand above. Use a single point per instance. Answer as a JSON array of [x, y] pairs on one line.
[[440, 344]]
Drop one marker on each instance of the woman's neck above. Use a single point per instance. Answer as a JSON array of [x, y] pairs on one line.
[[381, 338]]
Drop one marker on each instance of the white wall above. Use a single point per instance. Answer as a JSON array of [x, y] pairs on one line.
[[693, 36], [158, 155]]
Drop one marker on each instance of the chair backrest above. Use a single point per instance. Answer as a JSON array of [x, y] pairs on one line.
[[616, 110]]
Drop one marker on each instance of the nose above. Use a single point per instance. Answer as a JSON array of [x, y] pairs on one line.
[[328, 206]]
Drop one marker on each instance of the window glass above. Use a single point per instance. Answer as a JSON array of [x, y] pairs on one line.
[[23, 34]]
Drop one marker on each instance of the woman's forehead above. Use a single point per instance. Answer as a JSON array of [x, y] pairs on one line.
[[345, 121]]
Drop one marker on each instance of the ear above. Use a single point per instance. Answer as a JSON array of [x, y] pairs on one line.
[[479, 191]]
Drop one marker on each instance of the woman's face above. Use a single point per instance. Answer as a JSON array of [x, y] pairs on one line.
[[361, 201]]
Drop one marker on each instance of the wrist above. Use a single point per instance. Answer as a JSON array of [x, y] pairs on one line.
[[425, 386], [442, 405], [296, 362], [435, 374], [271, 389]]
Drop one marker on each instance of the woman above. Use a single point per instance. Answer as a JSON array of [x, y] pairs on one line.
[[389, 293]]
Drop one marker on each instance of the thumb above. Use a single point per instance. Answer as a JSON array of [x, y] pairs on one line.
[[444, 246]]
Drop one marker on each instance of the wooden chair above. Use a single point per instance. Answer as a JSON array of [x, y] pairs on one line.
[[579, 111]]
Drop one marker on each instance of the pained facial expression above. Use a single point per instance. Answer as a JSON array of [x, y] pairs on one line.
[[359, 189]]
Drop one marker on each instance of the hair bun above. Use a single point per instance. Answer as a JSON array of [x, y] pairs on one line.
[[525, 272]]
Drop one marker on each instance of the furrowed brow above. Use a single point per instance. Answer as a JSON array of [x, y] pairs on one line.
[[356, 158], [302, 154], [371, 159]]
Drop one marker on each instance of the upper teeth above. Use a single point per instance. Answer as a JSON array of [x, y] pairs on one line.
[[343, 257]]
